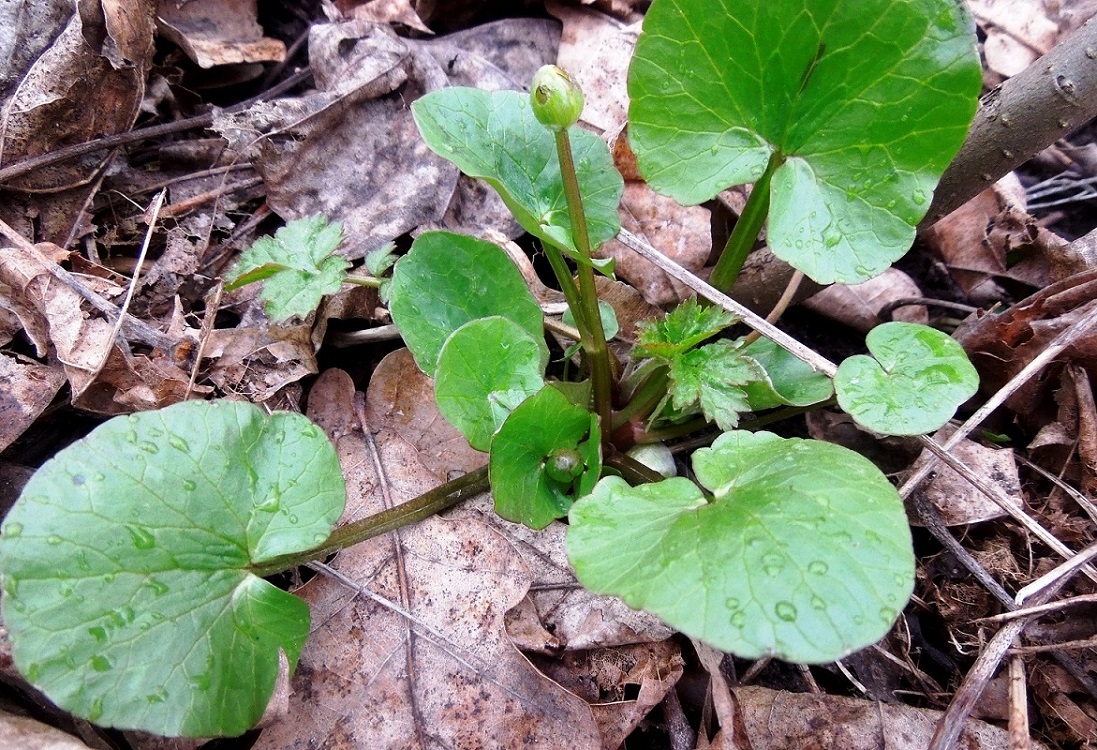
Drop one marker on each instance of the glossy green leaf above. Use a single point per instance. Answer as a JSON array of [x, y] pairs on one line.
[[521, 483], [683, 328], [788, 382], [913, 386], [862, 102], [485, 369], [495, 136], [448, 279], [714, 377], [804, 551], [298, 266], [127, 591]]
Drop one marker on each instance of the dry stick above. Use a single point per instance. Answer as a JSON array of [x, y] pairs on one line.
[[136, 329], [795, 348], [1053, 576], [154, 214], [1039, 609], [1019, 738], [1013, 122], [34, 163]]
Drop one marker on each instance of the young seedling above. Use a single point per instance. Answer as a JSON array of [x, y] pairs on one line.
[[843, 114]]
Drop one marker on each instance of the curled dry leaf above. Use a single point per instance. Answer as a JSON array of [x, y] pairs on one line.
[[604, 676], [25, 391], [104, 378], [255, 361], [955, 498], [106, 48], [993, 236], [368, 677], [218, 32], [859, 306], [1001, 344], [390, 11]]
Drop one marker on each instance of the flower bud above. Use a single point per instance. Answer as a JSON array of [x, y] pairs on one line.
[[564, 465], [557, 101]]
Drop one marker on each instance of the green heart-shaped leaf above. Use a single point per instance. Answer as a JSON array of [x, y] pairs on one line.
[[804, 551], [127, 590], [485, 369], [789, 381], [913, 386], [545, 424], [862, 102], [448, 279], [495, 136]]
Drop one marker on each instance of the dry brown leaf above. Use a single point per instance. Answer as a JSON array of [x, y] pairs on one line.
[[682, 233], [218, 32], [859, 305], [400, 399], [106, 48], [777, 720], [576, 618], [992, 236], [27, 734], [255, 361], [955, 498], [25, 391], [369, 678], [604, 676], [390, 11], [1001, 344], [595, 49]]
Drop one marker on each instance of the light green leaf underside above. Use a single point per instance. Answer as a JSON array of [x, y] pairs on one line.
[[448, 279], [866, 100], [494, 135], [804, 553], [544, 422], [147, 616], [485, 369], [913, 386], [788, 382]]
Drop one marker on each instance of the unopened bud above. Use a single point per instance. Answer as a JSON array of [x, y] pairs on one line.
[[564, 465], [557, 100]]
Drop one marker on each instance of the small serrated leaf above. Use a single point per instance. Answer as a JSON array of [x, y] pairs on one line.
[[684, 327], [714, 377], [913, 386], [298, 264]]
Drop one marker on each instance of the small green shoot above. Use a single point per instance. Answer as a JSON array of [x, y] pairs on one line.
[[298, 266]]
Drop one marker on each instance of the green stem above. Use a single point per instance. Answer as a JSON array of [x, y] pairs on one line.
[[370, 281], [746, 230], [648, 396], [589, 321], [669, 433], [424, 506]]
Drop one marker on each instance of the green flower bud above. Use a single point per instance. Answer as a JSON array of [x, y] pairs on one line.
[[556, 100], [564, 465]]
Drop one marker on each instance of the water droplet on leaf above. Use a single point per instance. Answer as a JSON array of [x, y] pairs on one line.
[[142, 538], [101, 663], [53, 539], [179, 444], [13, 529], [785, 611], [818, 567]]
